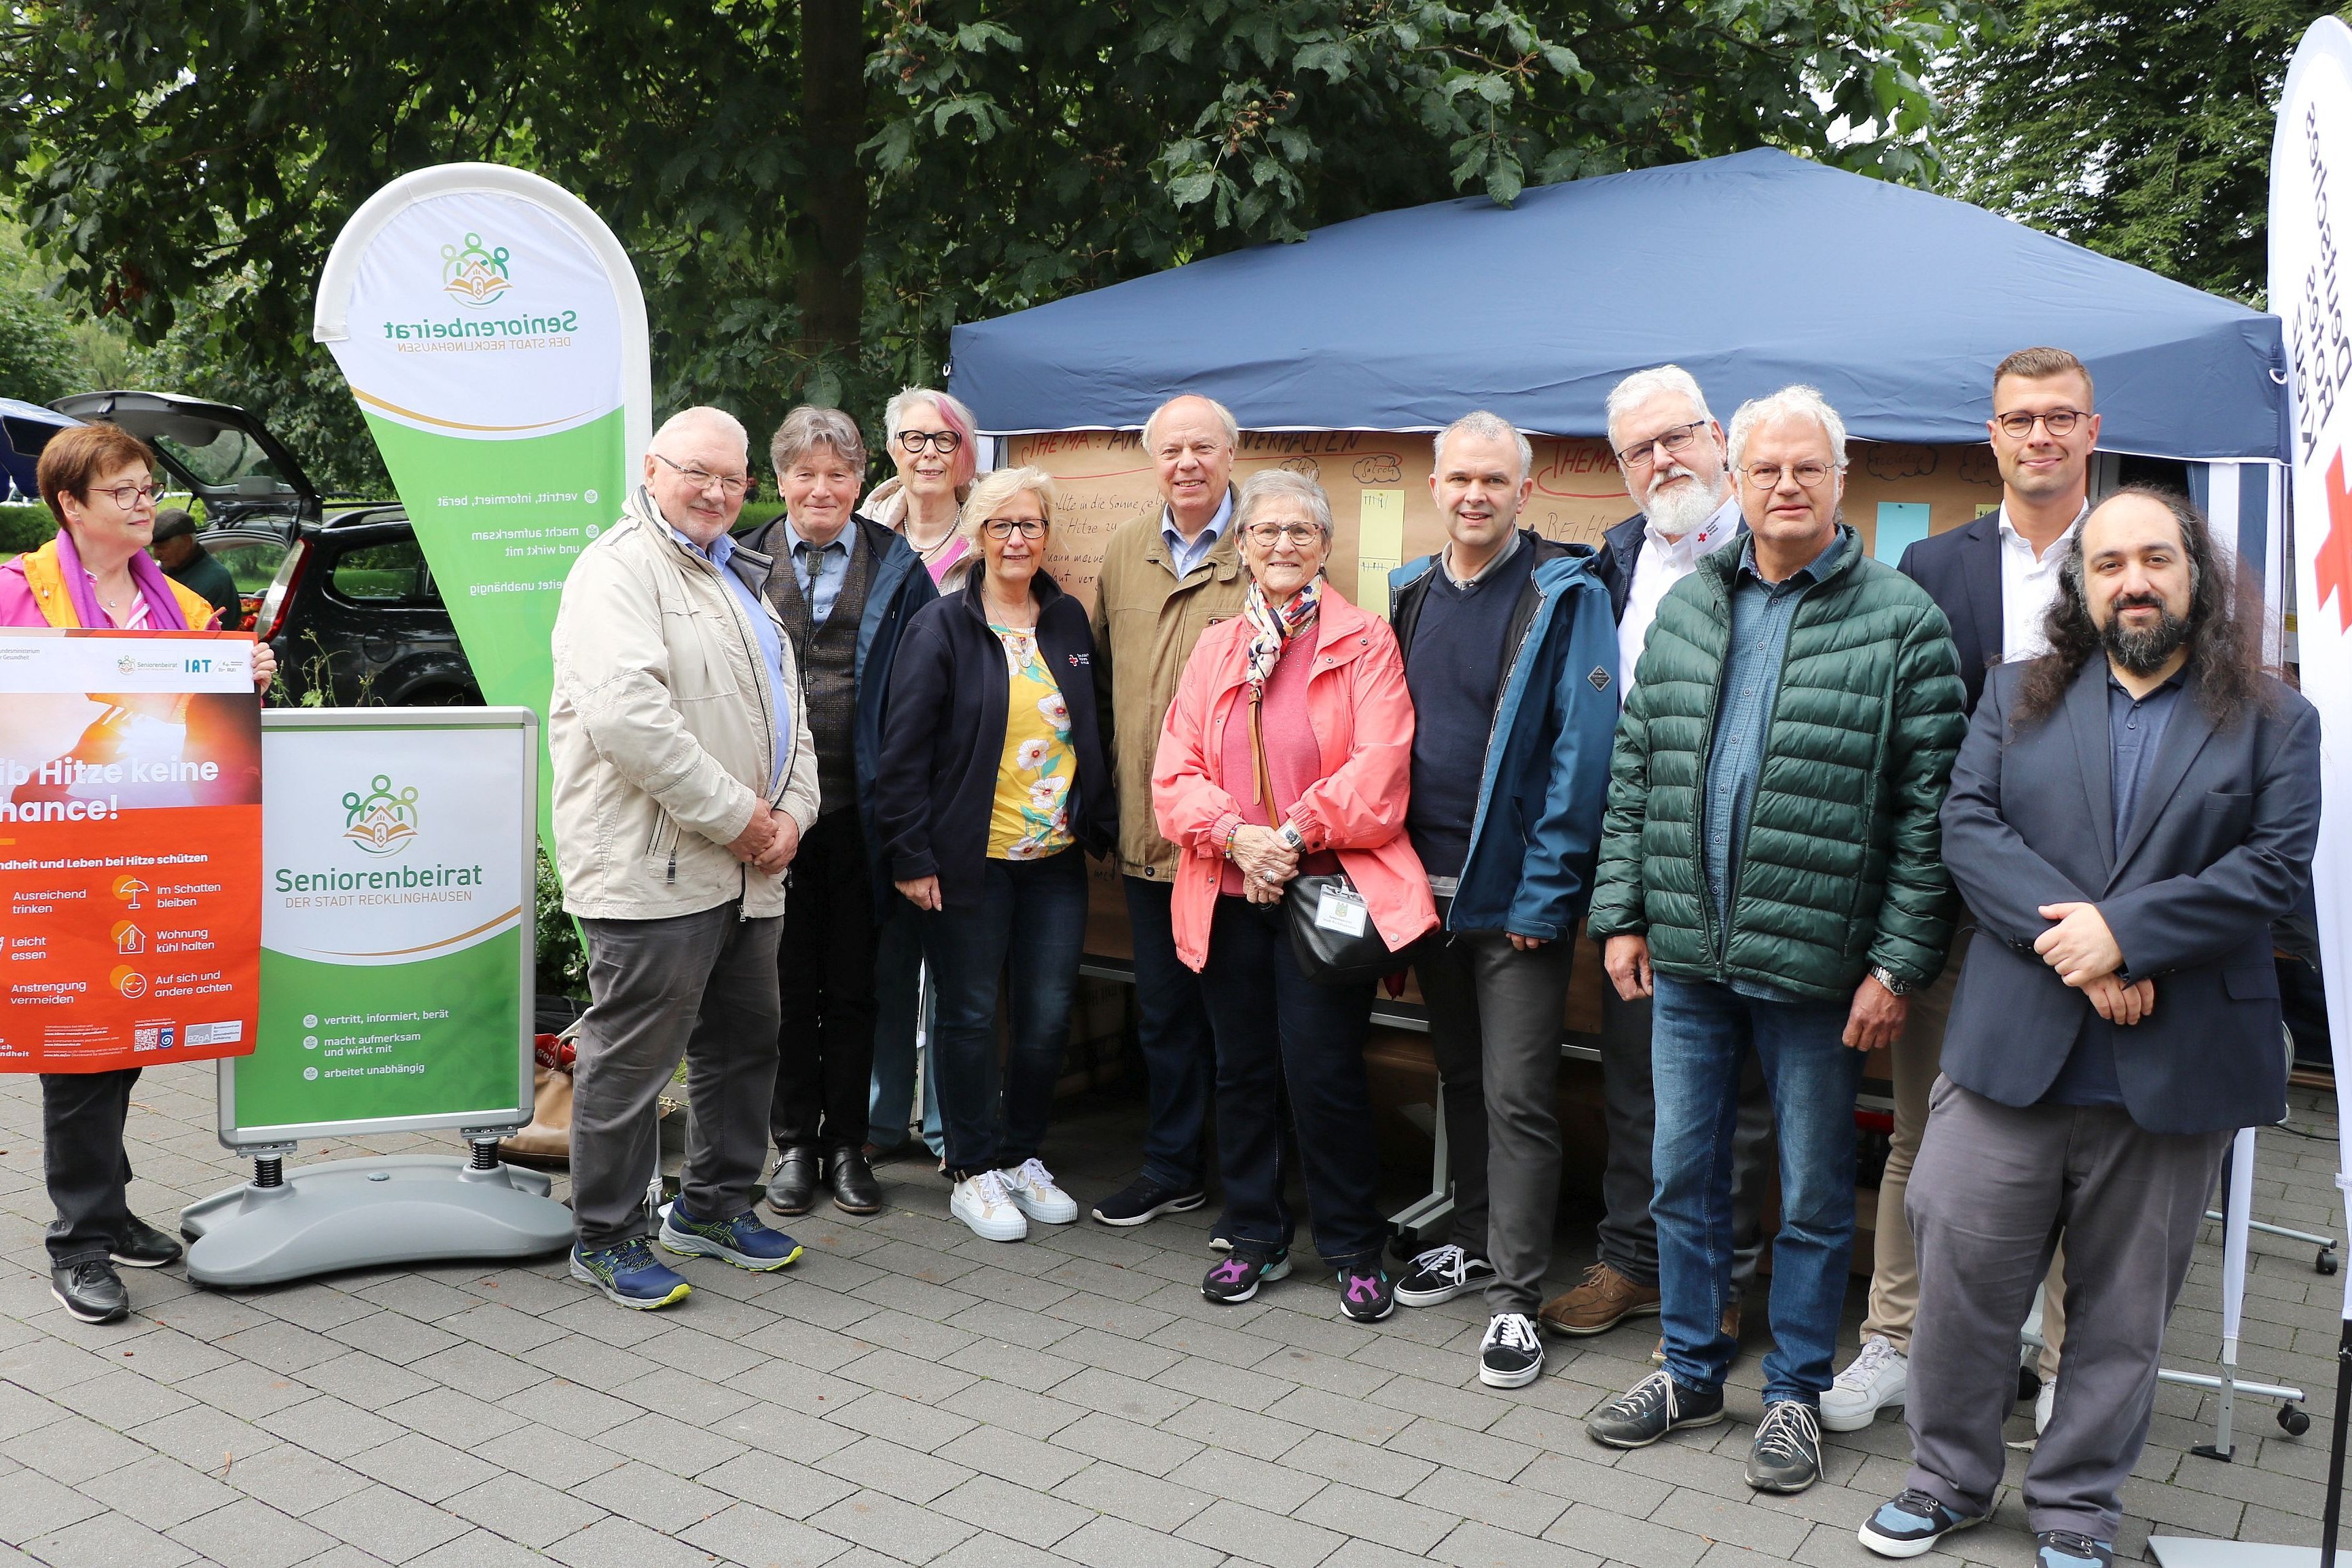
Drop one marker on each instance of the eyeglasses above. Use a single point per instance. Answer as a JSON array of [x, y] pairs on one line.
[[1641, 455], [730, 484], [2018, 425], [130, 497], [1265, 535], [944, 441], [1002, 528], [1767, 475]]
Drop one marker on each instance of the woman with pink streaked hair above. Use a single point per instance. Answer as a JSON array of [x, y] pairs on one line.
[[932, 439]]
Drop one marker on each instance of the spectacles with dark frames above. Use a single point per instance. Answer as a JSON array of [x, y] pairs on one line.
[[130, 497], [702, 479], [1767, 475], [1642, 454], [944, 441], [2019, 425], [1002, 528]]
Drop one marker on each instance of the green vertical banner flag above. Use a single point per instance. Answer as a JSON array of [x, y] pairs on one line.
[[494, 333]]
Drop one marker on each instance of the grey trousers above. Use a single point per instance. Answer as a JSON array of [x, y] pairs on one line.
[[700, 986], [1629, 1109], [1495, 1020], [1993, 1188]]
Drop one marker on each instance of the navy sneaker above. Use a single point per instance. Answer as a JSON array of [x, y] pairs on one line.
[[742, 1241], [1237, 1278], [629, 1276], [2066, 1549], [1143, 1200], [1366, 1294], [1912, 1523]]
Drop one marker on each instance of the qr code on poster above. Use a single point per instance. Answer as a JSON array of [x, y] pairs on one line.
[[153, 1036]]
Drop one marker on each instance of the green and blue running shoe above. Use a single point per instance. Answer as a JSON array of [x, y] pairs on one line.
[[629, 1275], [742, 1241]]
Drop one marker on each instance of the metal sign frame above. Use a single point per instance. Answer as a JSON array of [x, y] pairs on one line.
[[416, 722]]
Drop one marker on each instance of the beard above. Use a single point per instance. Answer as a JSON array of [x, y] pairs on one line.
[[1678, 511], [2143, 652]]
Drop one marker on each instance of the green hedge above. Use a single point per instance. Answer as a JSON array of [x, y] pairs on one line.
[[24, 528]]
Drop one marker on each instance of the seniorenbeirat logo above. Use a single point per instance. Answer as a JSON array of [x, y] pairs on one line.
[[381, 822], [473, 275]]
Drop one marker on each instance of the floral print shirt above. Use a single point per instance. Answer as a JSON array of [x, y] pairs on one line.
[[1031, 814]]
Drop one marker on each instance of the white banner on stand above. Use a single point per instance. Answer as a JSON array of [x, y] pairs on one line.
[[2311, 288]]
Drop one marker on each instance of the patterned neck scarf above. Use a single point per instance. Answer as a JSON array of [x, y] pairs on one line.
[[1271, 628]]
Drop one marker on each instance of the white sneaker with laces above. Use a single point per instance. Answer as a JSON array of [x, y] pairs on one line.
[[982, 1203], [2044, 1401], [1871, 1382], [1031, 1187]]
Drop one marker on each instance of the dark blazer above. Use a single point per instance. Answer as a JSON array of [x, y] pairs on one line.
[[1961, 570], [2221, 847], [1621, 550], [943, 738]]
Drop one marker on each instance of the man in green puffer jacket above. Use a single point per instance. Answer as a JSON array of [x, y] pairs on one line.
[[1769, 871]]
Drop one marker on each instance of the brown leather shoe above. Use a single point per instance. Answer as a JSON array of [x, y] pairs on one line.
[[1602, 1301], [1730, 1327]]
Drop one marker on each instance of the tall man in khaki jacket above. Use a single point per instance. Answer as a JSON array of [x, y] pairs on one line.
[[684, 779], [1164, 579]]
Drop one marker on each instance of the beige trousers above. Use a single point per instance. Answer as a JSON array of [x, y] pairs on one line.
[[1894, 1265]]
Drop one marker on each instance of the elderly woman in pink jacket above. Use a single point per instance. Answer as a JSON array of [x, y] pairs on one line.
[[1288, 752]]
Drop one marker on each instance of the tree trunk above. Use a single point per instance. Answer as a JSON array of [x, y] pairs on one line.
[[833, 122]]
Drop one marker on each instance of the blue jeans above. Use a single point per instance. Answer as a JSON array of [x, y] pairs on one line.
[[1699, 1031], [1171, 1028], [898, 982], [1027, 928], [1276, 1027]]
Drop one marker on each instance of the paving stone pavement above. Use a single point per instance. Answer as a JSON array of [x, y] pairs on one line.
[[907, 1394]]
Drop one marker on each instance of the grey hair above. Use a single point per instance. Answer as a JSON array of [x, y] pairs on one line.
[[808, 427], [1225, 419], [703, 413], [958, 416], [1797, 399], [1283, 485], [1642, 385], [1494, 427]]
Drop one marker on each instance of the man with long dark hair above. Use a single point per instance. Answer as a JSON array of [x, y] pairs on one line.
[[2128, 815]]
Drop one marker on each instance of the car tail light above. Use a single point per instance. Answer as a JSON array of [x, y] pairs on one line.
[[272, 616]]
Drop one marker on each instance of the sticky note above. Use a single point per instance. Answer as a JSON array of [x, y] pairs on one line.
[[1901, 524], [1379, 547]]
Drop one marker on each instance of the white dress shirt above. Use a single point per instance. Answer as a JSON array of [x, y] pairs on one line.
[[2029, 586], [1662, 563]]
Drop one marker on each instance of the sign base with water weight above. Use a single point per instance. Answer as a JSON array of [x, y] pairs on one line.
[[396, 986]]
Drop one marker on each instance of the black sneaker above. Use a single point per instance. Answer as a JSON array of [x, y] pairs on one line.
[[1237, 1278], [1786, 1456], [1143, 1200], [90, 1291], [1650, 1409], [144, 1247], [1512, 1354], [2065, 1549], [1366, 1294], [1911, 1523], [1440, 1274]]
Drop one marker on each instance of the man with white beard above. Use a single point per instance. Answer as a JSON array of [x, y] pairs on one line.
[[1671, 450]]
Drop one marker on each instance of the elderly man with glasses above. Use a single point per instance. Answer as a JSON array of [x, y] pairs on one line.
[[684, 776], [1770, 875]]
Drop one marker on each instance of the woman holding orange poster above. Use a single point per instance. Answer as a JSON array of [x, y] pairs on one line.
[[141, 750]]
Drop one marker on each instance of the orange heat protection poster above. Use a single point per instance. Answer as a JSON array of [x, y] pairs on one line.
[[129, 847]]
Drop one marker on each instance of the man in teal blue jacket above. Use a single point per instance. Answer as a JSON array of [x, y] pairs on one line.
[[1510, 652]]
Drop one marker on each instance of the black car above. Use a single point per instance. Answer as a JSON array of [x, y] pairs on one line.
[[347, 601]]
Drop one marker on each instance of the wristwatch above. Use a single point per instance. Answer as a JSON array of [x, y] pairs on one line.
[[1289, 834], [1891, 980]]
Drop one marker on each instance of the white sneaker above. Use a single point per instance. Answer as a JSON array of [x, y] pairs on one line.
[[2044, 1401], [981, 1203], [1872, 1381], [1031, 1187]]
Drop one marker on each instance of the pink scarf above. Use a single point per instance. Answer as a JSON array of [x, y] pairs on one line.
[[163, 604]]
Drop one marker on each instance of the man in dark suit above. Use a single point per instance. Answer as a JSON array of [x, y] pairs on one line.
[[2128, 815], [1994, 579]]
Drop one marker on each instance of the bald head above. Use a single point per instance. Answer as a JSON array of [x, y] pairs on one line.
[[1190, 441]]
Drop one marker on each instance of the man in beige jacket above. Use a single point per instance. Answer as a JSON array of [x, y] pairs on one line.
[[684, 778], [1165, 579]]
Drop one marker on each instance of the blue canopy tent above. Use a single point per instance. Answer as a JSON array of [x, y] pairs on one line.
[[1752, 271]]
